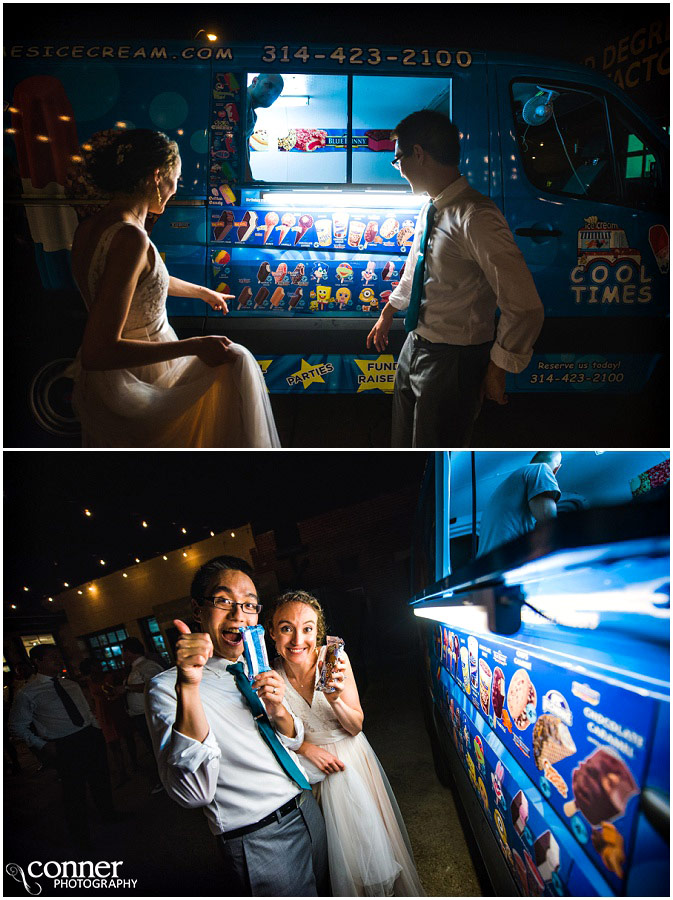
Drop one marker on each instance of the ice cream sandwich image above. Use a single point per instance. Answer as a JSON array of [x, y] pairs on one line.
[[223, 225], [247, 225], [547, 855], [519, 811], [520, 696]]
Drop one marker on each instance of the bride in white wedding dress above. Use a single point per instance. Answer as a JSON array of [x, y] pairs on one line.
[[367, 844], [136, 384]]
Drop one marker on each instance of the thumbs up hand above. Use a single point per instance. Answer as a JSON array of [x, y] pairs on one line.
[[192, 652]]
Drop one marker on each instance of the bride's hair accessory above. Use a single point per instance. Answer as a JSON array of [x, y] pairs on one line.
[[122, 151]]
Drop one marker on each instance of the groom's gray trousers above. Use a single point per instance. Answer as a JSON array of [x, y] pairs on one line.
[[286, 858]]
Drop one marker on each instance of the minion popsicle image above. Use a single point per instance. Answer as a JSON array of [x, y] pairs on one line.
[[366, 297]]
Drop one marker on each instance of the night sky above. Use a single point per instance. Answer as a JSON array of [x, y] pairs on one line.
[[49, 540], [564, 29]]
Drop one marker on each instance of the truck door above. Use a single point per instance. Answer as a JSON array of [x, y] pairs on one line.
[[585, 195]]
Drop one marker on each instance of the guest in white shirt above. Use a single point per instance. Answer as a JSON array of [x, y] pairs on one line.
[[453, 356], [51, 716], [142, 671], [241, 770]]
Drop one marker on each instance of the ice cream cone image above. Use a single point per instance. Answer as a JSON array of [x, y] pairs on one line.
[[287, 222], [305, 223], [551, 741], [270, 221]]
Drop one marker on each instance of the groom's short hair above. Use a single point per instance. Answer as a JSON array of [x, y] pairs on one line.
[[209, 570]]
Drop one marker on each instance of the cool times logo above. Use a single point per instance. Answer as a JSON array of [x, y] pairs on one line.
[[103, 875]]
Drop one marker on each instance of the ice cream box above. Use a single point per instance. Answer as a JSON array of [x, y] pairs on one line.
[[391, 231], [580, 727], [539, 850]]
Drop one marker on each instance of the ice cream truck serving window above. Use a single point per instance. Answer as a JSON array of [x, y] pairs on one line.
[[332, 129], [579, 143]]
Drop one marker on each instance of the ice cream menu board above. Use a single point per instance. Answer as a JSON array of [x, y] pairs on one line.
[[304, 282], [538, 849], [349, 229], [580, 739]]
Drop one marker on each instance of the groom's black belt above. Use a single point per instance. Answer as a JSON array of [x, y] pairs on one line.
[[275, 816]]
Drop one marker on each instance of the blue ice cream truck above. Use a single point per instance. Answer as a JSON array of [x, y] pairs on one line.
[[547, 671], [312, 236]]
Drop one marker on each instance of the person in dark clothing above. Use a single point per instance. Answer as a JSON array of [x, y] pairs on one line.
[[51, 715]]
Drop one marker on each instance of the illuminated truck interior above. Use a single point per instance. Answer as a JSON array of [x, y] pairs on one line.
[[559, 637]]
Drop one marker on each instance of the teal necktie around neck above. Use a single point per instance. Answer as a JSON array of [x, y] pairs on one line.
[[265, 728], [411, 318]]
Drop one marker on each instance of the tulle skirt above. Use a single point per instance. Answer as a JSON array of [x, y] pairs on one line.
[[368, 846], [178, 403]]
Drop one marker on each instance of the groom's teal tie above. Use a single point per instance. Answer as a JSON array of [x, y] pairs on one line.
[[411, 318], [265, 728]]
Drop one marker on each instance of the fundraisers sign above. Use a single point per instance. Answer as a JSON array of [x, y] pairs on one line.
[[328, 374], [348, 373], [580, 740]]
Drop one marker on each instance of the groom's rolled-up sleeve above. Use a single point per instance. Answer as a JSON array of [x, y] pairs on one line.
[[293, 743], [188, 768]]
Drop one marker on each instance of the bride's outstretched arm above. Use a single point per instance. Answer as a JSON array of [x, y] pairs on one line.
[[344, 699], [179, 288], [103, 346]]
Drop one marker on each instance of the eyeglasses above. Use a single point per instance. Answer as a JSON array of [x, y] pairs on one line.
[[395, 163], [227, 605]]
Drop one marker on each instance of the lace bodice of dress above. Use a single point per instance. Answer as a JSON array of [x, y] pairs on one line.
[[149, 300], [320, 722]]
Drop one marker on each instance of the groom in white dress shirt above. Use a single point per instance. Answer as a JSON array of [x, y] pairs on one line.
[[211, 754]]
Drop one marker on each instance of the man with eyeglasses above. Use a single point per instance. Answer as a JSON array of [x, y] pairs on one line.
[[219, 748], [462, 266]]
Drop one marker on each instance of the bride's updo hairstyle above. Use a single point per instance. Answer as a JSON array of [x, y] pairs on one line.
[[124, 164], [298, 597]]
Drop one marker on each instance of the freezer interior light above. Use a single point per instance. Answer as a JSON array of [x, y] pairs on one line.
[[471, 618], [626, 599], [336, 198]]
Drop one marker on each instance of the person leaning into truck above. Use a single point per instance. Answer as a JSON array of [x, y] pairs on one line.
[[463, 264], [527, 497], [263, 92]]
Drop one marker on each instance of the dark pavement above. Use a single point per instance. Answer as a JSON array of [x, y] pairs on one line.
[[170, 851]]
